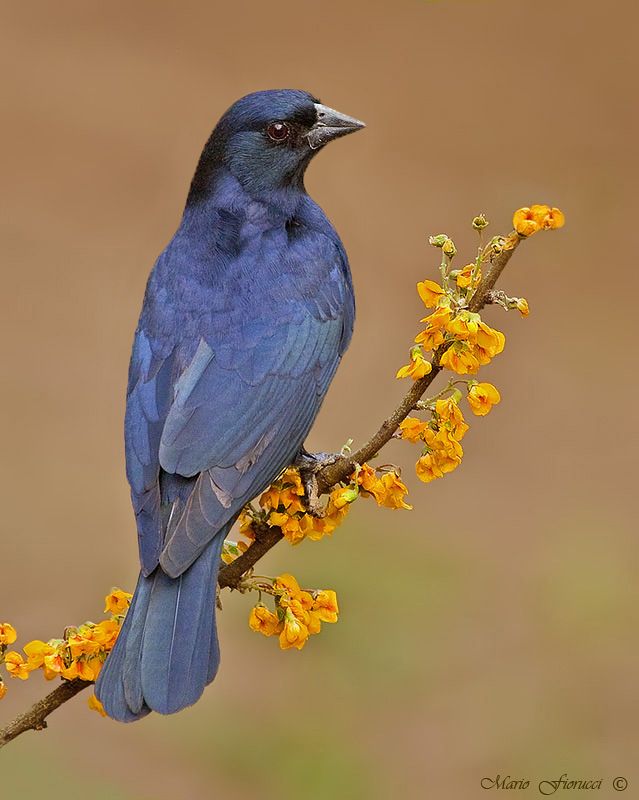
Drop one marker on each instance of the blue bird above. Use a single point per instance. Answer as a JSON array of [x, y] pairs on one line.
[[246, 316]]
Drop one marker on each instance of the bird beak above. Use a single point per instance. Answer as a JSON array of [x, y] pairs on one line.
[[330, 125]]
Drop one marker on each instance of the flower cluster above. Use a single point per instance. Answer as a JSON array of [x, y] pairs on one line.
[[460, 341], [463, 341], [282, 504], [298, 613], [80, 653], [529, 220], [441, 435]]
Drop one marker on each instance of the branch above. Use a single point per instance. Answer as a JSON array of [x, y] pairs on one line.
[[35, 718], [267, 537]]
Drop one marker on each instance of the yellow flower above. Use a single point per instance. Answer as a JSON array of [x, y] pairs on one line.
[[446, 462], [264, 621], [488, 344], [8, 634], [547, 217], [322, 526], [105, 633], [464, 326], [325, 605], [277, 519], [94, 664], [465, 279], [70, 672], [36, 651], [482, 397], [291, 478], [3, 689], [412, 429], [95, 705], [525, 221], [554, 219], [430, 293], [294, 633], [282, 496], [394, 492], [314, 623], [460, 358], [370, 483], [439, 462], [447, 450], [418, 366], [270, 498], [85, 670], [246, 525], [117, 601], [16, 665], [54, 661], [291, 501], [430, 338], [294, 528], [450, 414], [287, 583], [427, 469], [521, 305], [297, 609], [82, 643], [433, 335]]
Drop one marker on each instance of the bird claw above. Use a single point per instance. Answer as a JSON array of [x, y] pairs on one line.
[[314, 462], [309, 464]]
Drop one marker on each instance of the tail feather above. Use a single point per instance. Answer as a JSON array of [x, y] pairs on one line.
[[131, 676], [167, 650]]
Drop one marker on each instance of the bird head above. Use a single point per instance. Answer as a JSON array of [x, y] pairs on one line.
[[267, 139]]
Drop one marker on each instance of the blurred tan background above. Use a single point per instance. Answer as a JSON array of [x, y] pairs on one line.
[[494, 628]]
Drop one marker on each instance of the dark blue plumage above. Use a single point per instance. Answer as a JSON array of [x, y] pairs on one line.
[[246, 315]]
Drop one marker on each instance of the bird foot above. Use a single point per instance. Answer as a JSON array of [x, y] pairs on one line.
[[314, 462], [309, 464]]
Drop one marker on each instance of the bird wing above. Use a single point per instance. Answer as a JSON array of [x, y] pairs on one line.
[[234, 412]]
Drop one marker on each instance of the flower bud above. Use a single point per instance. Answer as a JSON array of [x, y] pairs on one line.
[[449, 249], [439, 240], [480, 222]]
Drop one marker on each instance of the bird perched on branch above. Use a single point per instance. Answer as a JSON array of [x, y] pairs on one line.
[[246, 316]]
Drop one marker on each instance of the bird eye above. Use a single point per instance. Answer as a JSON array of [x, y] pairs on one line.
[[278, 131]]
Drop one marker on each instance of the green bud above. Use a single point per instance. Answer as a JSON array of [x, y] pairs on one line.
[[439, 240], [480, 222], [351, 494], [449, 249]]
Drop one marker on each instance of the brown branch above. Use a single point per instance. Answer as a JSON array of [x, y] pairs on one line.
[[35, 718], [267, 537]]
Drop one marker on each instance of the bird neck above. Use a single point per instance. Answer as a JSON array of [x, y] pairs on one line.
[[225, 193]]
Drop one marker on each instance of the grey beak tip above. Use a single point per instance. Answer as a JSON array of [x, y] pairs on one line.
[[331, 124]]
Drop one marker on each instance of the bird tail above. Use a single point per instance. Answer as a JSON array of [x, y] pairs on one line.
[[167, 649]]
